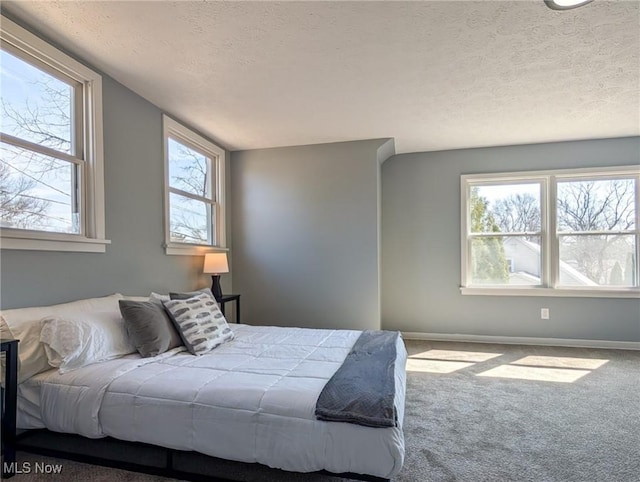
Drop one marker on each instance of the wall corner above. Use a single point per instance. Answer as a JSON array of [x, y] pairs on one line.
[[386, 150]]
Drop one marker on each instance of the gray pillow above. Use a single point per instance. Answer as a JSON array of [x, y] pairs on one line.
[[190, 294], [199, 322], [149, 327]]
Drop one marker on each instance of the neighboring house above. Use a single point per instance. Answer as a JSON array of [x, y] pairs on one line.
[[524, 265]]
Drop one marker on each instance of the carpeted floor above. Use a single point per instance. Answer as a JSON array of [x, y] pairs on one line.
[[539, 414]]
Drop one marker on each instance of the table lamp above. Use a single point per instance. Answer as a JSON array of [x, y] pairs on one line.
[[215, 264]]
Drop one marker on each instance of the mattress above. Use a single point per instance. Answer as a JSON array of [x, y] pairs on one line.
[[250, 400]]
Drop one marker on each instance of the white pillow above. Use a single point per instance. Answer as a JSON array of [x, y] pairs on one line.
[[158, 298], [77, 341], [135, 298], [24, 324]]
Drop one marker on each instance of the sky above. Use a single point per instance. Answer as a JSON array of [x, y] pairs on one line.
[[21, 90]]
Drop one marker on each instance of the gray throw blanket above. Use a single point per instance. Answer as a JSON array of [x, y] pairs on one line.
[[362, 391]]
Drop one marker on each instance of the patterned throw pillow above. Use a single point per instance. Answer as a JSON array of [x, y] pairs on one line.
[[200, 323]]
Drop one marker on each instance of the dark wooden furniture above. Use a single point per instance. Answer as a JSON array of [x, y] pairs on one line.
[[225, 299], [10, 348], [155, 460]]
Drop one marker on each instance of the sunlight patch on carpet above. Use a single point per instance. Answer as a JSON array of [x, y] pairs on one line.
[[435, 366], [561, 362], [456, 355], [561, 375]]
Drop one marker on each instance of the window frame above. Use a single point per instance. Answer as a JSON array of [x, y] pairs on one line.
[[90, 186], [550, 255], [217, 155]]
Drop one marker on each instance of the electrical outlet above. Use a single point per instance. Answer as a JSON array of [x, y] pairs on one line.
[[544, 313]]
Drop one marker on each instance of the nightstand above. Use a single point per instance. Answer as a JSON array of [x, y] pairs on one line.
[[10, 348], [225, 299]]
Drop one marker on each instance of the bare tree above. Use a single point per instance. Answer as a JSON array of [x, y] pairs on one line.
[[184, 229], [23, 173], [45, 117], [193, 170], [17, 208], [49, 122], [194, 167], [596, 206], [518, 213]]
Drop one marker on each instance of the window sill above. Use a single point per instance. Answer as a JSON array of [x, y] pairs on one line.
[[552, 292], [175, 249], [52, 242]]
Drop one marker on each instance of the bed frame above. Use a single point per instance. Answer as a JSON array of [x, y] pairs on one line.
[[154, 460]]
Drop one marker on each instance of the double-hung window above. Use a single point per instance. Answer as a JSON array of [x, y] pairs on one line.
[[51, 173], [194, 191], [552, 233]]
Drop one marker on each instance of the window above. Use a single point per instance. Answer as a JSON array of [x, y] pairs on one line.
[[194, 191], [51, 174], [567, 233]]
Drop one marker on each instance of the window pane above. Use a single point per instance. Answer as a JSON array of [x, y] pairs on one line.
[[506, 208], [35, 106], [36, 192], [190, 220], [602, 205], [188, 170], [593, 260], [502, 260]]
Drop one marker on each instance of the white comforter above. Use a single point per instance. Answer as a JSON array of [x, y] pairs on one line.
[[251, 400]]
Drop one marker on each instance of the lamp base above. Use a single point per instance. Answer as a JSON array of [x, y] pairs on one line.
[[215, 287]]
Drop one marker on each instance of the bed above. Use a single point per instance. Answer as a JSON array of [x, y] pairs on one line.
[[251, 400]]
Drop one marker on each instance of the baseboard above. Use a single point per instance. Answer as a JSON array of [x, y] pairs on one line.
[[523, 340]]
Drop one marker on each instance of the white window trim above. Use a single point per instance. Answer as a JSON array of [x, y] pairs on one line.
[[549, 252], [93, 240], [173, 128]]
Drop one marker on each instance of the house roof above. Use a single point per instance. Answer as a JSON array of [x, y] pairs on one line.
[[522, 278], [432, 75], [570, 275]]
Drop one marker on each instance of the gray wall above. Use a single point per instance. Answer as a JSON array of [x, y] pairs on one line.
[[305, 222], [421, 248], [135, 262]]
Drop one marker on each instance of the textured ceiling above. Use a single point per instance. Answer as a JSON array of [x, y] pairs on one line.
[[433, 75]]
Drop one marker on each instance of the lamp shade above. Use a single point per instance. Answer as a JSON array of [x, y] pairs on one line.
[[215, 263]]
